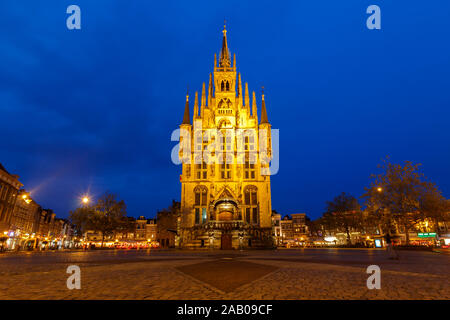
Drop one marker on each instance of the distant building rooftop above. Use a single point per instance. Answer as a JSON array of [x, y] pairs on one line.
[[3, 168]]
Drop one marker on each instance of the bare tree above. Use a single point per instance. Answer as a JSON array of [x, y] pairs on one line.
[[396, 194], [343, 214], [435, 207], [108, 215], [81, 219]]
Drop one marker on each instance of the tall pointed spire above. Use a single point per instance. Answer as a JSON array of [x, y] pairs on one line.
[[264, 118], [203, 102], [196, 105], [210, 90], [247, 98], [240, 90], [186, 117], [225, 56], [254, 111]]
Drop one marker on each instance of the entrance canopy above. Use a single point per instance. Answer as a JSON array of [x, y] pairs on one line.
[[225, 209]]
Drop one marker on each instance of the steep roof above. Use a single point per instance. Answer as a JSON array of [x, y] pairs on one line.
[[225, 57], [186, 117], [264, 118], [3, 168]]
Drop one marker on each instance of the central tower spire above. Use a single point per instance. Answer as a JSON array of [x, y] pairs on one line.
[[225, 56]]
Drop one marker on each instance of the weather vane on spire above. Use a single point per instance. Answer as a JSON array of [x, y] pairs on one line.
[[224, 27]]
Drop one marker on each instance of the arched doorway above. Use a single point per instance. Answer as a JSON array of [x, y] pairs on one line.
[[226, 210]]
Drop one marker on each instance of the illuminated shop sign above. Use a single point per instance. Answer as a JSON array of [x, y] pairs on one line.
[[378, 243], [426, 234]]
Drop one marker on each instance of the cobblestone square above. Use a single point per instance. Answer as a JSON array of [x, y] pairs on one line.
[[279, 274]]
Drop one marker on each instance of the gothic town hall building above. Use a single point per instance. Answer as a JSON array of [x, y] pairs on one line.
[[225, 150]]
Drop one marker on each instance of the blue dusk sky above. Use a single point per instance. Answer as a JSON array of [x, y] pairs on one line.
[[93, 110]]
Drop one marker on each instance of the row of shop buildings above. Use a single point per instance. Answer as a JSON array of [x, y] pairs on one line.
[[143, 235], [291, 230], [24, 224], [297, 230]]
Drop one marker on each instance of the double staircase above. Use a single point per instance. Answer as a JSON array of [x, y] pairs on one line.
[[228, 231]]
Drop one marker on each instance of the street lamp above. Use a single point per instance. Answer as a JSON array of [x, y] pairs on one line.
[[379, 189], [85, 200], [25, 197]]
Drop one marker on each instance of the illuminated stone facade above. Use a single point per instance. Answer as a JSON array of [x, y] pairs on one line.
[[9, 189], [225, 150]]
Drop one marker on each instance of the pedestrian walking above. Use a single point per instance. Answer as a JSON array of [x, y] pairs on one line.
[[392, 254]]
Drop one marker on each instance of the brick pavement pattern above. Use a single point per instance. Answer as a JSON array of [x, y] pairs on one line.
[[287, 275]]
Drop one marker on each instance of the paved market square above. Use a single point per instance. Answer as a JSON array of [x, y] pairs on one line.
[[278, 274]]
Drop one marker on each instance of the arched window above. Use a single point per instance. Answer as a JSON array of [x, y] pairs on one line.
[[251, 204], [200, 204], [224, 85]]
